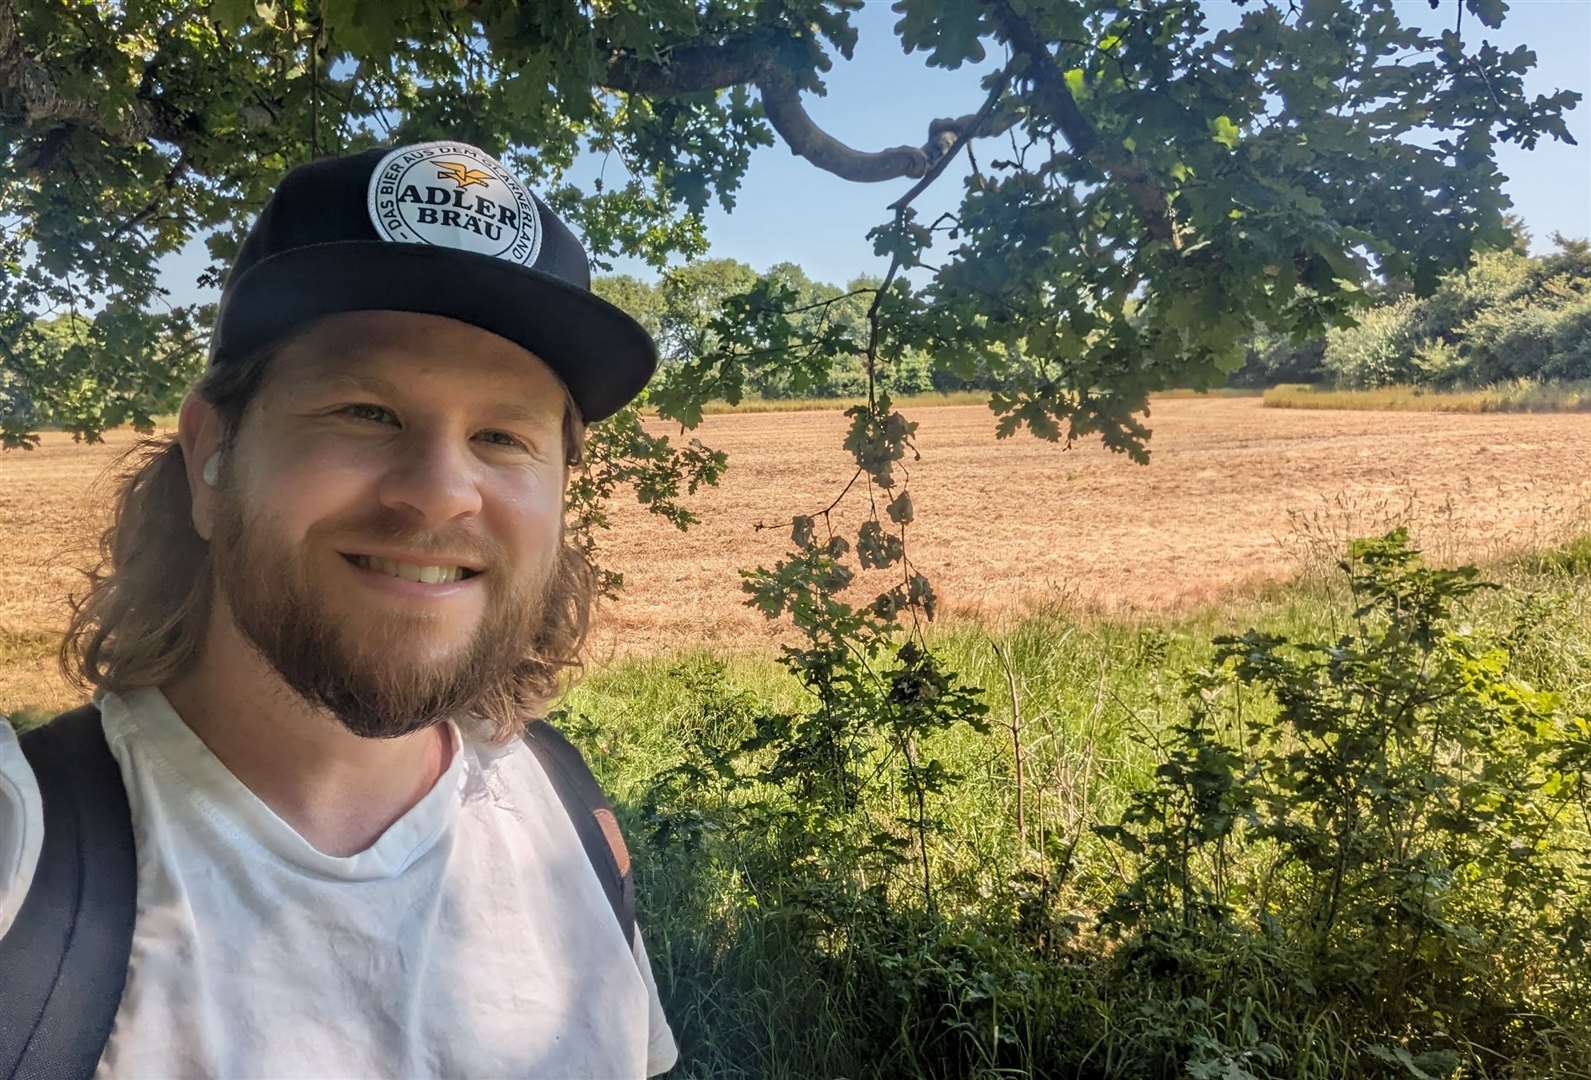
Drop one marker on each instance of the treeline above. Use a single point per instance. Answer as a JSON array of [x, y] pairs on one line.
[[1508, 317], [680, 308]]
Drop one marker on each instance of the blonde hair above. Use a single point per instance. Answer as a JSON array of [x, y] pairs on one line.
[[144, 616]]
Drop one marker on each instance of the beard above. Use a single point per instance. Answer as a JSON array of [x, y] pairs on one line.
[[365, 676]]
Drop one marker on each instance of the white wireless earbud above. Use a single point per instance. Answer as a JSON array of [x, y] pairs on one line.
[[212, 469]]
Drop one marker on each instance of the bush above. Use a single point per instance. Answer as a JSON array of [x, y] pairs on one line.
[[1571, 343], [1539, 336], [1377, 352], [1495, 277], [1508, 317], [1385, 823]]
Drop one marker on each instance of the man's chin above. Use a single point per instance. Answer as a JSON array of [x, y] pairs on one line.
[[412, 665]]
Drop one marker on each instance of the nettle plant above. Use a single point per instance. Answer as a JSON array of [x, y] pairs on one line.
[[1390, 819]]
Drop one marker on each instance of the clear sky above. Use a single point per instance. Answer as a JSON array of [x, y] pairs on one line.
[[787, 210]]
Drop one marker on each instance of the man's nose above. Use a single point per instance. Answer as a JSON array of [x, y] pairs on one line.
[[432, 477]]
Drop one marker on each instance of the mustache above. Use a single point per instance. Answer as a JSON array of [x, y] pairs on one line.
[[390, 529]]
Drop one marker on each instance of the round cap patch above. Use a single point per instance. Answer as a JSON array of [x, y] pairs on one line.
[[452, 195]]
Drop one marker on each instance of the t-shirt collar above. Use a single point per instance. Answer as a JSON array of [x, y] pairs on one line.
[[146, 718]]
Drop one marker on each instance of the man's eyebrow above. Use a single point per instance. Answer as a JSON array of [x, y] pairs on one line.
[[349, 380]]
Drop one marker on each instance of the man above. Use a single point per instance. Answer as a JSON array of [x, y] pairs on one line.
[[328, 610]]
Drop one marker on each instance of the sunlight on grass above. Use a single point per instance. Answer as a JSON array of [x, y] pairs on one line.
[[1521, 395]]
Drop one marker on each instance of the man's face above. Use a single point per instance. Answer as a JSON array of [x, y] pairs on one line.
[[386, 447]]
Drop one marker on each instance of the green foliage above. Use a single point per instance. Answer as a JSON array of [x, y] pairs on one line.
[[681, 308], [85, 375], [1388, 818], [1378, 350], [1508, 317]]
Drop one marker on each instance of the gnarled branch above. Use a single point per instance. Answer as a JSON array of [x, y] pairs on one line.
[[782, 103], [762, 59]]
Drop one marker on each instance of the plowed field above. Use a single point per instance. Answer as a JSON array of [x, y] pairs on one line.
[[1236, 494]]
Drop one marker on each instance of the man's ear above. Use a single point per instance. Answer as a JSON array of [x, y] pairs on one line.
[[199, 434]]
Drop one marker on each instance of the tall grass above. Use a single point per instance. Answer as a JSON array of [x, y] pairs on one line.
[[1519, 395]]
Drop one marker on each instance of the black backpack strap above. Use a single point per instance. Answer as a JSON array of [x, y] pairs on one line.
[[593, 818], [64, 960]]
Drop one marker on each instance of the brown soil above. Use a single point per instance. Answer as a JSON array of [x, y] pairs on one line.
[[1236, 494]]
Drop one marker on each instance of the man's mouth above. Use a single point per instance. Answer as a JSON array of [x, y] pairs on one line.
[[436, 574]]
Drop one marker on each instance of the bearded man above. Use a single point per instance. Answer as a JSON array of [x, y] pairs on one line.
[[329, 614]]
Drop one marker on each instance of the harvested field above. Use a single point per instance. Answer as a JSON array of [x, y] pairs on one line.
[[1237, 494]]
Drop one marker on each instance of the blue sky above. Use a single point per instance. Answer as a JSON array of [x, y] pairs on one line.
[[786, 210]]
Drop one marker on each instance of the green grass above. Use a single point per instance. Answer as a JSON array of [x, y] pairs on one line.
[[1523, 395], [754, 990]]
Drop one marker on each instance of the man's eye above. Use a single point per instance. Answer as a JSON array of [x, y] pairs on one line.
[[503, 438], [378, 413]]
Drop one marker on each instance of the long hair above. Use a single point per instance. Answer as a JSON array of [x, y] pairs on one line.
[[144, 616]]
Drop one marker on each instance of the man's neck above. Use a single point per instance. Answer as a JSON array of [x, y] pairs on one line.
[[338, 790]]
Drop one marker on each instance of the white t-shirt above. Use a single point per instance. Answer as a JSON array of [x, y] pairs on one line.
[[472, 939]]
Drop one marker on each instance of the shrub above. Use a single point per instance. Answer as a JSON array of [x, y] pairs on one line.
[[1571, 342], [1538, 336], [1495, 277], [1352, 847], [1384, 825], [1379, 351]]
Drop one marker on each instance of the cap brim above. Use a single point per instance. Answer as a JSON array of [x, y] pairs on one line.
[[603, 355]]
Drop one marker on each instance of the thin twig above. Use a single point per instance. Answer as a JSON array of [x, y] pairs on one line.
[[979, 119]]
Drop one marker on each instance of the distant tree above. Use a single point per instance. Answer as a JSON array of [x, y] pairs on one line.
[[639, 298], [1518, 234], [690, 298]]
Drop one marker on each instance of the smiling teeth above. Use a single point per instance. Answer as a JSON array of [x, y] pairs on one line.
[[430, 575]]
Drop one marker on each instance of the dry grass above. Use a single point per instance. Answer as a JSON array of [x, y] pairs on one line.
[[1237, 495], [1523, 395]]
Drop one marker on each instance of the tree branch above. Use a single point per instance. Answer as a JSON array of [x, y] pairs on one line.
[[961, 132], [1050, 82], [153, 205], [695, 66], [765, 59], [781, 101], [29, 87]]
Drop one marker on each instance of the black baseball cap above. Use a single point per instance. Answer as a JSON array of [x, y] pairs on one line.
[[439, 228]]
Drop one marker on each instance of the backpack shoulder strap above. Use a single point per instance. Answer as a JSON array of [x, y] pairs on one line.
[[593, 818], [65, 956]]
